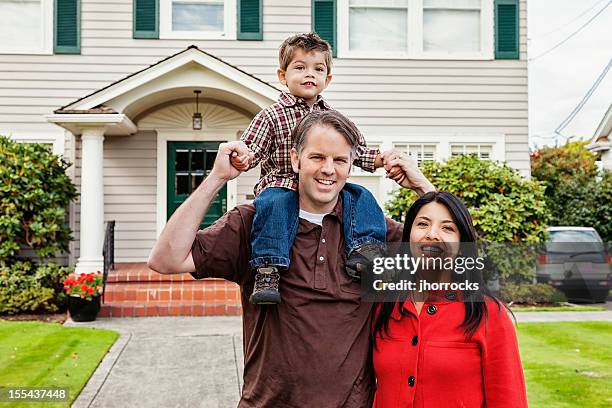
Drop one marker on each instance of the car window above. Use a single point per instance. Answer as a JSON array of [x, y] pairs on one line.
[[573, 236]]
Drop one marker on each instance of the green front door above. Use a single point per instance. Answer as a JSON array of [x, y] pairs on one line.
[[188, 164]]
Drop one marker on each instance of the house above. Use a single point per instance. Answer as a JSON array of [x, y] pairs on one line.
[[110, 84], [601, 142]]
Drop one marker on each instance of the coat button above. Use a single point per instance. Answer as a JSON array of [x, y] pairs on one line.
[[431, 309], [415, 340], [451, 295], [411, 381]]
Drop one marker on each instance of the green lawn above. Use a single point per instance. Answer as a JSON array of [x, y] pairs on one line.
[[567, 364], [35, 354]]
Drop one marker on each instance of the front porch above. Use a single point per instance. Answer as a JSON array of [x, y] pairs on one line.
[[134, 290]]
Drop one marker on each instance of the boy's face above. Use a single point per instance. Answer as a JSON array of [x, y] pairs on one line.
[[306, 75]]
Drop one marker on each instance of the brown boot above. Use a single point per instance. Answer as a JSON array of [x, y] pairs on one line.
[[266, 291]]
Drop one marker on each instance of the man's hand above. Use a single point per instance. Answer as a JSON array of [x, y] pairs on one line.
[[232, 159], [403, 169]]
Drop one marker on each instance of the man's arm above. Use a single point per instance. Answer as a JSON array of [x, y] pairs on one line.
[[172, 251]]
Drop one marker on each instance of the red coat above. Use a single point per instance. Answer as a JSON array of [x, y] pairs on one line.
[[428, 363]]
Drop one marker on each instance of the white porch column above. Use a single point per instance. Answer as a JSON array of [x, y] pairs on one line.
[[606, 159], [92, 200]]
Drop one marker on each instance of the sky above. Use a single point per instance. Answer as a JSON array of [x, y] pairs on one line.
[[559, 80]]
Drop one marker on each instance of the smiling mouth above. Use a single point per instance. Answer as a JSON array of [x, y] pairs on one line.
[[325, 182], [309, 84], [432, 249]]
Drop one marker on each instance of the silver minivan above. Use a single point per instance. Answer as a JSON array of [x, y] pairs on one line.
[[575, 260]]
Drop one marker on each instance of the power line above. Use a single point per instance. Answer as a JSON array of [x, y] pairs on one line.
[[584, 100], [572, 34], [537, 36]]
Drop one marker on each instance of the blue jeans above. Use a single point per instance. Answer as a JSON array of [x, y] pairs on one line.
[[277, 218]]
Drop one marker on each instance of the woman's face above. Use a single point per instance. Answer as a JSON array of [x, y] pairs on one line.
[[434, 233]]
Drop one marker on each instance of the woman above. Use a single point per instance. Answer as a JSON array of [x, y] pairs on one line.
[[454, 350]]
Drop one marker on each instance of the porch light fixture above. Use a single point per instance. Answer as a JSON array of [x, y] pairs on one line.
[[197, 116]]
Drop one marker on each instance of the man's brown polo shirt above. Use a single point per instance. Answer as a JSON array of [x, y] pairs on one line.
[[313, 349]]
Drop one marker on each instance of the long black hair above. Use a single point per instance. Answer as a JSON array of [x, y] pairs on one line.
[[475, 308]]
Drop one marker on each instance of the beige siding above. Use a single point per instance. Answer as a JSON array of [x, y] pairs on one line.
[[387, 98], [129, 194]]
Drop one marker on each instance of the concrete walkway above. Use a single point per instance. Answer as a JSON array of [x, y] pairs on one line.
[[168, 362], [193, 361]]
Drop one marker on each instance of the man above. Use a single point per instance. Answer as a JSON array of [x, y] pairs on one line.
[[313, 348]]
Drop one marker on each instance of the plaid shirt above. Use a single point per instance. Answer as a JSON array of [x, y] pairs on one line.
[[269, 138]]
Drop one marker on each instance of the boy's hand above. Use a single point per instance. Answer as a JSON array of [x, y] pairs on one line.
[[241, 162], [378, 161], [404, 170], [223, 169]]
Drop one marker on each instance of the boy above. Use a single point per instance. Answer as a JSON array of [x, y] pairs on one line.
[[305, 69]]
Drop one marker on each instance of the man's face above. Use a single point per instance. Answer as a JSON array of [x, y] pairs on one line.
[[306, 75], [323, 166]]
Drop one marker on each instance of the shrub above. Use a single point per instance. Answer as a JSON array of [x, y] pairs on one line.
[[34, 194], [25, 287], [576, 193], [505, 207], [531, 294]]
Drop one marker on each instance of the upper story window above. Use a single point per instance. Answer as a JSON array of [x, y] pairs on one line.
[[198, 19], [423, 29], [26, 26]]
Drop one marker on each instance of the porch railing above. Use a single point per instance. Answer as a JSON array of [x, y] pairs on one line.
[[108, 251]]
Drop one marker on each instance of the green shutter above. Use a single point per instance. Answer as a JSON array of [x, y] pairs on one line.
[[146, 19], [67, 27], [507, 29], [324, 21], [250, 20]]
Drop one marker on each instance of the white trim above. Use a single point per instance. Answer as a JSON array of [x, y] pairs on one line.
[[166, 135], [55, 136], [604, 128], [46, 48], [114, 123], [191, 55], [229, 24], [415, 36]]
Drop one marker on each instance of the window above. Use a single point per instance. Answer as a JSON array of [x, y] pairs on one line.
[[421, 152], [451, 25], [198, 19], [388, 20], [26, 26], [483, 151], [415, 29]]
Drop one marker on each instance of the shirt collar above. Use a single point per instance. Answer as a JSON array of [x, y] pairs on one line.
[[305, 227], [289, 100]]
